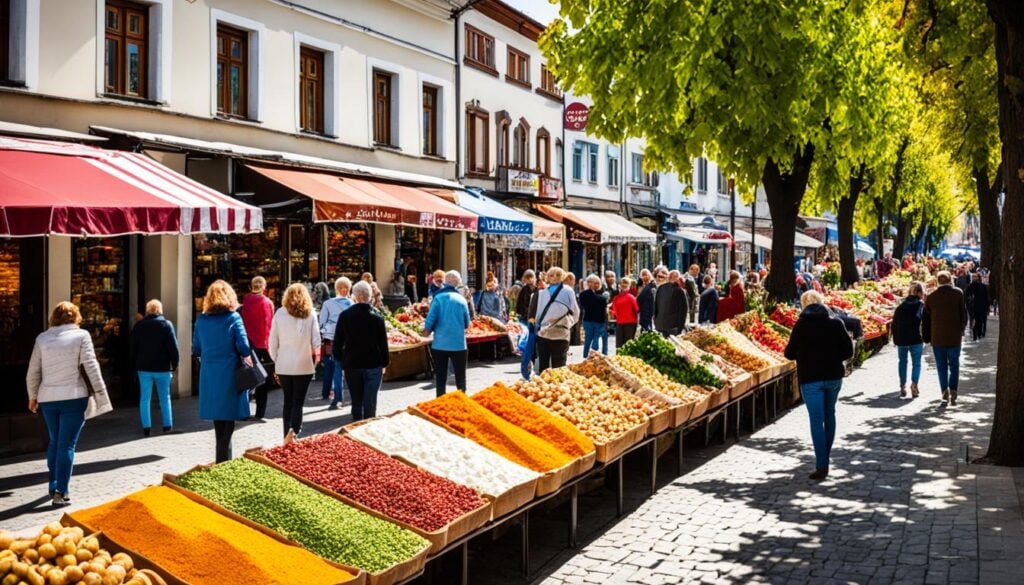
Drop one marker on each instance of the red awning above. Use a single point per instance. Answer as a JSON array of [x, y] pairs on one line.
[[345, 199], [54, 188]]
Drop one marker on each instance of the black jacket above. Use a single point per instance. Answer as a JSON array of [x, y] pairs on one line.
[[594, 306], [819, 344], [978, 300], [645, 299], [707, 311], [361, 339], [906, 322], [523, 301], [154, 346], [670, 307]]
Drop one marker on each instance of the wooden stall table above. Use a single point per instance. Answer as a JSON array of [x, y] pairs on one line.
[[408, 360]]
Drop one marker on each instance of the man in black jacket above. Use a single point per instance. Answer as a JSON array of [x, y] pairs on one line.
[[153, 350], [645, 299], [906, 336], [707, 312], [669, 304], [978, 303], [361, 347], [525, 294]]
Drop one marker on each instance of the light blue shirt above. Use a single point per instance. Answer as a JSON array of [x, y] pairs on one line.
[[329, 313], [448, 319]]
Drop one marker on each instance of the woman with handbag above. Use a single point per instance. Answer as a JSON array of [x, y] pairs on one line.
[[553, 312], [64, 381], [220, 343], [295, 349]]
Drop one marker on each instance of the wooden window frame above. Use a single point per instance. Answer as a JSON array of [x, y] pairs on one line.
[[309, 55], [472, 168], [593, 156], [383, 129], [636, 174], [224, 60], [122, 36], [544, 152], [5, 39], [477, 39], [518, 62], [548, 84], [722, 183], [503, 145], [521, 142], [613, 165], [430, 120], [702, 175]]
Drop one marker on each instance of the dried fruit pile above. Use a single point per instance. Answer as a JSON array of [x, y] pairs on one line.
[[60, 555], [440, 452], [319, 522], [601, 367], [462, 414], [504, 402], [192, 542], [379, 482], [717, 344], [655, 380], [599, 411]]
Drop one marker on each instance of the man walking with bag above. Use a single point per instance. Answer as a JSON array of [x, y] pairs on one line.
[[945, 316]]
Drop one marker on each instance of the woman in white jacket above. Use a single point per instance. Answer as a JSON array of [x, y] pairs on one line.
[[295, 349], [55, 386], [553, 312]]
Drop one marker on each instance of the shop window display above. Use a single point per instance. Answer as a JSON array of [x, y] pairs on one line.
[[348, 251], [237, 259], [98, 286], [304, 253], [423, 246]]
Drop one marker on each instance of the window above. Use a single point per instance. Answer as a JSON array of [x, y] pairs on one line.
[[577, 161], [126, 48], [559, 158], [521, 147], [479, 48], [5, 39], [382, 95], [311, 90], [430, 107], [232, 71], [723, 185], [476, 147], [702, 175], [652, 179], [613, 168], [544, 152], [637, 168], [548, 84], [518, 67], [503, 140], [592, 163]]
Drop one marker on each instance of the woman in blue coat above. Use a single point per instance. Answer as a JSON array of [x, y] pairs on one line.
[[220, 343]]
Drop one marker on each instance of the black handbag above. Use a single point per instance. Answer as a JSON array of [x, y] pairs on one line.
[[249, 377]]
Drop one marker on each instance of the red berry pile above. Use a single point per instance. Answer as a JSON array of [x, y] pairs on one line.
[[377, 481]]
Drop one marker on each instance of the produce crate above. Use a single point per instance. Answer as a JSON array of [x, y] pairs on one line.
[[721, 396], [139, 561], [400, 572], [682, 413], [408, 361], [700, 407], [661, 421], [609, 451], [438, 538], [740, 386]]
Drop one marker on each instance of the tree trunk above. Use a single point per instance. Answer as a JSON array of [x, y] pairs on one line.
[[879, 227], [988, 211], [847, 205], [785, 191], [903, 226], [1006, 446]]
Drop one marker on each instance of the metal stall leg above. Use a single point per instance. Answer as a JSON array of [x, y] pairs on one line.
[[464, 579], [618, 486], [654, 466], [753, 413], [739, 412], [679, 452], [725, 424], [574, 497], [526, 543]]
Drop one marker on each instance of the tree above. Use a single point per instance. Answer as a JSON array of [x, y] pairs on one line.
[[759, 86]]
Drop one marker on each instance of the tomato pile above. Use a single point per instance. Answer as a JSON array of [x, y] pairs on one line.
[[785, 315], [766, 336]]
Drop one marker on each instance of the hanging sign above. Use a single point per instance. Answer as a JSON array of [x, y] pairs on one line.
[[576, 116]]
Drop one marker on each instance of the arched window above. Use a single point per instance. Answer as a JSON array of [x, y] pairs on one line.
[[521, 146], [503, 121], [544, 152]]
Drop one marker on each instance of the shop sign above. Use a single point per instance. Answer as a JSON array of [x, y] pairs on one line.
[[582, 235], [455, 222], [326, 211], [688, 206], [550, 188], [719, 236], [493, 225], [547, 233], [576, 116], [522, 181]]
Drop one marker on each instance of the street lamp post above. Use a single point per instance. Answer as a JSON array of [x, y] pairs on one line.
[[732, 223]]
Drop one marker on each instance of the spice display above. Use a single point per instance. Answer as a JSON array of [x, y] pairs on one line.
[[482, 426], [506, 403], [661, 354], [319, 522], [599, 411], [655, 380], [379, 482], [440, 452], [190, 541], [61, 555]]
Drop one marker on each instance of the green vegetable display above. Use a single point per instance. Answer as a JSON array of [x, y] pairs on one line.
[[319, 522], [661, 355]]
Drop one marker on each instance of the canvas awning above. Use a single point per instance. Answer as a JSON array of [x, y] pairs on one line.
[[599, 226], [346, 199], [744, 237], [800, 240], [701, 236], [805, 241], [59, 188]]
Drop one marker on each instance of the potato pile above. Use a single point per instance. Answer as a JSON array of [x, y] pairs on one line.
[[64, 555], [600, 412]]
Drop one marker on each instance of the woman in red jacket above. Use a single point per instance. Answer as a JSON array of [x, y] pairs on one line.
[[626, 311], [734, 303]]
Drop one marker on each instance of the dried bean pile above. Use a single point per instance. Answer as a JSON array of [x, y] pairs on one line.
[[504, 402], [420, 499], [321, 523]]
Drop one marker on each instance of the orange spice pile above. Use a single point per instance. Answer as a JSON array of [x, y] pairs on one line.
[[507, 404]]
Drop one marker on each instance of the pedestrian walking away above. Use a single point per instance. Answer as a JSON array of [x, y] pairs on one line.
[[61, 370], [529, 349], [819, 344], [594, 305], [333, 387], [906, 336], [645, 298], [707, 311], [978, 304], [553, 312], [295, 349], [257, 315], [448, 319], [221, 345], [361, 348], [627, 313], [692, 284], [734, 302], [945, 316], [153, 350], [669, 303]]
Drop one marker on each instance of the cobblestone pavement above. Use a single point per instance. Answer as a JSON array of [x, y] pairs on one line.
[[900, 504]]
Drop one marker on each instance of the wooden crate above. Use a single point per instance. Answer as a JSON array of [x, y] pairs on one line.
[[140, 561], [407, 362], [612, 449]]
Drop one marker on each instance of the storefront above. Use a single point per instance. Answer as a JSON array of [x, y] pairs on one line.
[[698, 240], [599, 241]]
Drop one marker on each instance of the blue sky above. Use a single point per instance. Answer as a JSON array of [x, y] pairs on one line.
[[540, 10]]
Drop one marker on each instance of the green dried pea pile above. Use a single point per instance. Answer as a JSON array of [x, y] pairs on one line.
[[322, 524]]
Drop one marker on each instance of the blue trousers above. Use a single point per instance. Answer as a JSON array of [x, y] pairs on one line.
[[947, 362], [162, 381], [820, 400], [529, 352], [363, 385], [914, 352], [64, 422], [592, 332], [333, 375]]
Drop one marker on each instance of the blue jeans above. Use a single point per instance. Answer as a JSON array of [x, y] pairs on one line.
[[333, 375], [592, 332], [820, 400], [162, 380], [363, 385], [64, 422], [947, 362], [914, 351], [529, 354]]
